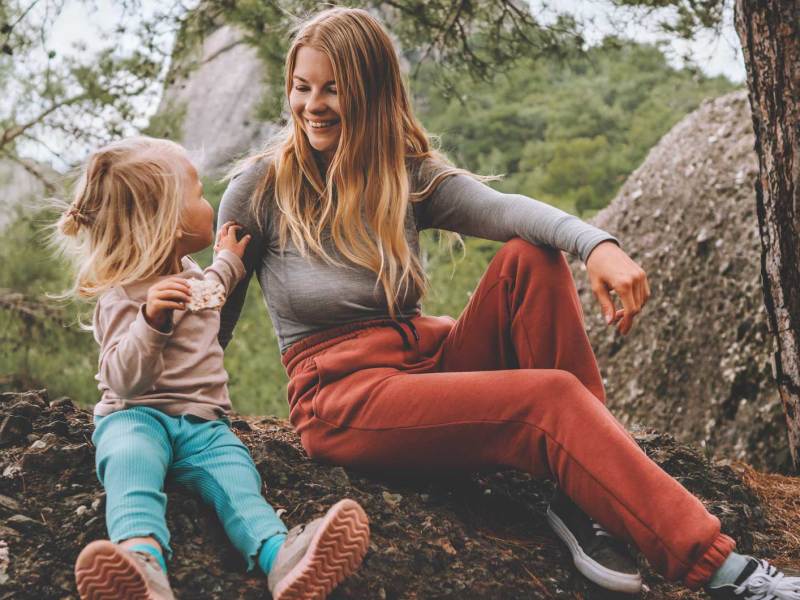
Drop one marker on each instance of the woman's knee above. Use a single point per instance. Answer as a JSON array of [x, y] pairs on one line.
[[560, 391]]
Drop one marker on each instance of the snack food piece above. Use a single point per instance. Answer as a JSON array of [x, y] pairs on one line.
[[205, 294]]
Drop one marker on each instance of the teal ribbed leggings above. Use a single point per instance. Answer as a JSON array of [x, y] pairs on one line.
[[137, 448]]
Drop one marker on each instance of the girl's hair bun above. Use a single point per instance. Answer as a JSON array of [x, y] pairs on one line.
[[72, 220]]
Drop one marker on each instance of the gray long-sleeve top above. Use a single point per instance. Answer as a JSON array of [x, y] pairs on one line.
[[305, 294]]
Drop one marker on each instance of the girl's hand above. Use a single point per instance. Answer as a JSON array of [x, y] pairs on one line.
[[164, 297], [610, 269], [226, 239]]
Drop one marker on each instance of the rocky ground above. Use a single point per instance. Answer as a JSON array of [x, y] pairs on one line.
[[461, 536], [698, 362]]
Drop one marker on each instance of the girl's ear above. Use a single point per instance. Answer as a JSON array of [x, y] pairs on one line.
[[179, 234]]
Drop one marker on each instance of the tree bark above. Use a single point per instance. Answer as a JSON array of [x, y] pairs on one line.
[[769, 31]]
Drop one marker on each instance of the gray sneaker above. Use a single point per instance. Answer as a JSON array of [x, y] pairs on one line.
[[105, 570], [759, 580], [317, 556], [597, 555]]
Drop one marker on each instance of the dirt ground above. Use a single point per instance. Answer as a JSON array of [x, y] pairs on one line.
[[458, 536]]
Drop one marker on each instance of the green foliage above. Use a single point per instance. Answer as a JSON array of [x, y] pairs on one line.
[[567, 133]]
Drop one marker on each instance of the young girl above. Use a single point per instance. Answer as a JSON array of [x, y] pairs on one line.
[[335, 206], [137, 215]]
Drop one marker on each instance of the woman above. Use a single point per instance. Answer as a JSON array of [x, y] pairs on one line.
[[335, 206]]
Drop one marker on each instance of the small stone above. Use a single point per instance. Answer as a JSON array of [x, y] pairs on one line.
[[9, 504], [14, 428], [241, 425], [392, 499], [81, 510], [57, 427], [12, 471], [63, 402], [24, 524], [26, 409], [339, 476], [38, 445], [96, 503]]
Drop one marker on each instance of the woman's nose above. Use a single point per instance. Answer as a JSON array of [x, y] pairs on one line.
[[316, 103]]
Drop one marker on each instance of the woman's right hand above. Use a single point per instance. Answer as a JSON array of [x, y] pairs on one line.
[[164, 297]]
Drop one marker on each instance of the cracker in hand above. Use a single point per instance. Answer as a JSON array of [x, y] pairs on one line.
[[205, 294]]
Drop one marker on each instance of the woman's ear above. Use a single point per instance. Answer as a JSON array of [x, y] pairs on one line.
[[179, 234]]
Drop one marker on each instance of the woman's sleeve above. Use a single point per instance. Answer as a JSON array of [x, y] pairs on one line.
[[235, 206], [465, 205]]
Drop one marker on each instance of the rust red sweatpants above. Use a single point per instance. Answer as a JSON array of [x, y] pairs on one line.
[[512, 383]]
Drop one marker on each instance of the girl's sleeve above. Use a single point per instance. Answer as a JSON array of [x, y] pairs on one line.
[[465, 205], [131, 351], [235, 206], [227, 269]]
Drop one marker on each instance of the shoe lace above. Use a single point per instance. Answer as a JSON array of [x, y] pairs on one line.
[[599, 530], [768, 583]]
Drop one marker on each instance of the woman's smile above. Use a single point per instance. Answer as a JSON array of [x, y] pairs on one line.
[[320, 126]]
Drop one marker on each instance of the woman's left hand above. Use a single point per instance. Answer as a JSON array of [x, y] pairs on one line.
[[610, 269]]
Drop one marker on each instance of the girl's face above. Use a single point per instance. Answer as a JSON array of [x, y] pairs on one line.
[[197, 215], [314, 102]]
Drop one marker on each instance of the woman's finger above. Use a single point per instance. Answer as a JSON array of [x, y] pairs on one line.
[[603, 296], [630, 306]]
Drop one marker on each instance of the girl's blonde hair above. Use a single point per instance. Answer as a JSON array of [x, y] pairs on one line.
[[362, 198], [120, 226]]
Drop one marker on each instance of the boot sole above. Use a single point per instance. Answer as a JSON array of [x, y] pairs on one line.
[[609, 579], [335, 551], [104, 572]]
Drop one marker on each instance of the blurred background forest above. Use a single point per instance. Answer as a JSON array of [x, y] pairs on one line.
[[566, 129]]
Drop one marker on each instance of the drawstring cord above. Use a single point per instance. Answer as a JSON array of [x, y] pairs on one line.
[[410, 324], [398, 327]]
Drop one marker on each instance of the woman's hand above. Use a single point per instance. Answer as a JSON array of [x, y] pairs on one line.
[[164, 297], [610, 269], [226, 239]]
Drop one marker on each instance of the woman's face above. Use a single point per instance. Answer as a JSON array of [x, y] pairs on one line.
[[314, 102]]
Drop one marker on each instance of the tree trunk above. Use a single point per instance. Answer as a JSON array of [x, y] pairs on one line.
[[769, 31]]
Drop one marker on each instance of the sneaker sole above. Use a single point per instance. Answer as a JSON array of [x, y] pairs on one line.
[[591, 569], [103, 572], [335, 551]]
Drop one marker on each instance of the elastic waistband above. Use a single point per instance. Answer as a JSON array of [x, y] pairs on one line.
[[326, 338]]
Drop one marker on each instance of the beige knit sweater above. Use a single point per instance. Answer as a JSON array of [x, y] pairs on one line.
[[179, 372]]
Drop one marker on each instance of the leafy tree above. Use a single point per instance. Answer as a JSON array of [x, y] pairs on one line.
[[566, 132]]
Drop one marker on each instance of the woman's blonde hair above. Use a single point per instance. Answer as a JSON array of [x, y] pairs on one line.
[[120, 226], [362, 198]]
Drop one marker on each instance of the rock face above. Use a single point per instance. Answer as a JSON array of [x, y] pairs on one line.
[[460, 537], [215, 105], [697, 363]]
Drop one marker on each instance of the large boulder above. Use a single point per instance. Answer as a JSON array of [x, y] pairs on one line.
[[698, 362], [460, 536], [211, 108]]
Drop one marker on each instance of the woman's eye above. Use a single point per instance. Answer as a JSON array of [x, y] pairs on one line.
[[301, 88]]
